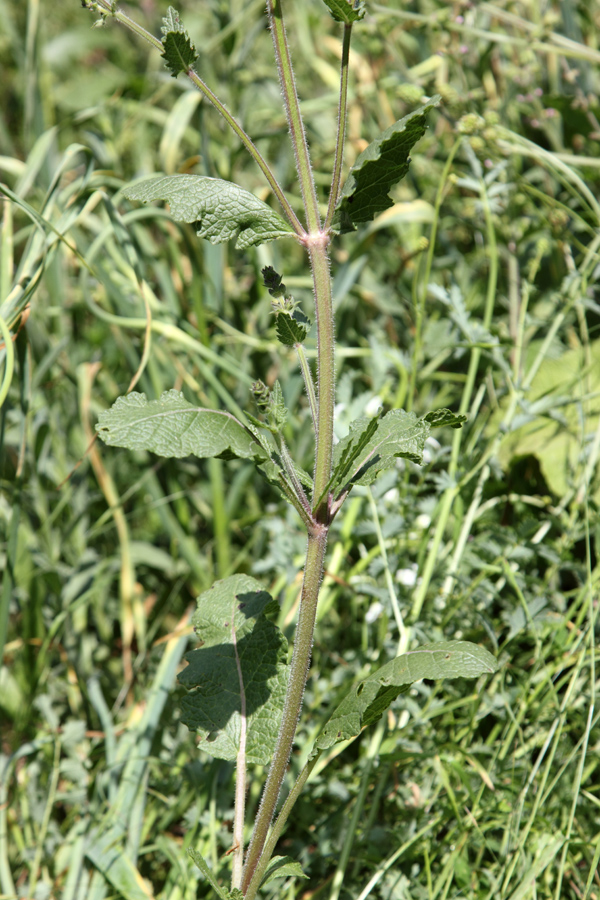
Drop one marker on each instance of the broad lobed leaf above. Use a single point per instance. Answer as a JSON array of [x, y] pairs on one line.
[[369, 699], [232, 626], [378, 168], [374, 444], [219, 210], [173, 427]]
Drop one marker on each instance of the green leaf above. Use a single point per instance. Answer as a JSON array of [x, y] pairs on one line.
[[440, 417], [173, 427], [374, 444], [277, 408], [232, 626], [282, 867], [206, 871], [343, 11], [369, 699], [292, 329], [179, 53], [378, 168], [272, 280], [219, 210]]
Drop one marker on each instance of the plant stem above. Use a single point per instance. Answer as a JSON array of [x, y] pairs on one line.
[[316, 242], [341, 132], [279, 825], [220, 107], [294, 118], [313, 573], [309, 385], [319, 262], [240, 774]]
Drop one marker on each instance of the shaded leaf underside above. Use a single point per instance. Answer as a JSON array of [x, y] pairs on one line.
[[232, 626]]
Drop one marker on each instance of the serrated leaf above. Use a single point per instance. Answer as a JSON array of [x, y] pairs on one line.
[[373, 445], [219, 210], [277, 408], [343, 11], [369, 699], [292, 329], [173, 427], [378, 168], [440, 417], [282, 867], [231, 620], [179, 53], [206, 871]]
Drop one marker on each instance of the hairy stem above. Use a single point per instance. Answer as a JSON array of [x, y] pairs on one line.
[[319, 262], [341, 132], [279, 825], [294, 118], [313, 573]]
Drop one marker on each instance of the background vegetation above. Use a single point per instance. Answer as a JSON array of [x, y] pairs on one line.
[[478, 291]]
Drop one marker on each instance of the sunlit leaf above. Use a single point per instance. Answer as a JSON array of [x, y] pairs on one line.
[[369, 699], [219, 210], [373, 445], [174, 427]]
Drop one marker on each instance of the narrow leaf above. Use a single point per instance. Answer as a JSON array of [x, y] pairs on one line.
[[173, 427], [369, 699], [179, 53], [378, 168], [440, 417], [219, 210], [373, 445], [206, 871], [282, 867], [343, 11], [232, 626]]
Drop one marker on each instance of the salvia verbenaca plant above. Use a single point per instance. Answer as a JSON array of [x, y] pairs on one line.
[[244, 697]]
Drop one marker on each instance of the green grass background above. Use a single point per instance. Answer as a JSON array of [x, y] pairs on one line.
[[477, 291]]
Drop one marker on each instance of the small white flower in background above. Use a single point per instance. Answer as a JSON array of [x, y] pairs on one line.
[[373, 406], [423, 521], [435, 444], [407, 577], [373, 612], [392, 496]]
